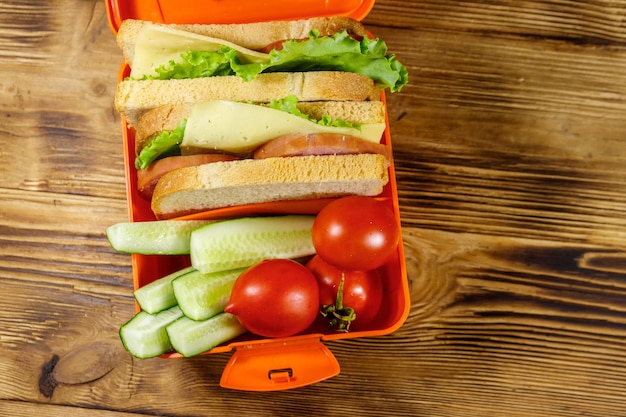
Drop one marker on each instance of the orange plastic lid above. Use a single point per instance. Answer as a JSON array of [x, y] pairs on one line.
[[231, 11]]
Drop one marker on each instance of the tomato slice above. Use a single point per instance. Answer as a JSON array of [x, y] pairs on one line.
[[301, 144], [148, 178]]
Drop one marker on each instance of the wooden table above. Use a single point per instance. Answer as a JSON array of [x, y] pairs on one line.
[[511, 165]]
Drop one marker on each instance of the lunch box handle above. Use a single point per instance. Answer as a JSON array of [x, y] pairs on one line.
[[279, 365]]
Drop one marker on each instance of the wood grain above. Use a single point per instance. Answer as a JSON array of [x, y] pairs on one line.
[[511, 166]]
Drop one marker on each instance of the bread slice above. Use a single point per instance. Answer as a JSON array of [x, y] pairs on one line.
[[134, 98], [254, 36], [225, 184], [167, 118]]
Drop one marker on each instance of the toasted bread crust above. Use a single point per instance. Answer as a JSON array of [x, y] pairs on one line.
[[349, 111], [254, 36], [225, 184], [134, 98]]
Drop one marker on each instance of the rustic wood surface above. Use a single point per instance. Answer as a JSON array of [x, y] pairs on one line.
[[511, 165]]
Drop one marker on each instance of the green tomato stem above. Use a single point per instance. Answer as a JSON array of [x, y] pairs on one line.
[[340, 316]]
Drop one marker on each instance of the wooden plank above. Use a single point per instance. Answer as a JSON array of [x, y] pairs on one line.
[[483, 91], [20, 409], [74, 148], [61, 129], [584, 22], [532, 198]]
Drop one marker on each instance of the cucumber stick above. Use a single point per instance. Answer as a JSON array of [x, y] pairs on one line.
[[165, 237], [159, 295], [190, 337], [242, 242], [201, 296], [144, 336]]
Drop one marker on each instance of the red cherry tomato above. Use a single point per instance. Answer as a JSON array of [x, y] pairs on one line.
[[275, 298], [356, 233], [362, 292]]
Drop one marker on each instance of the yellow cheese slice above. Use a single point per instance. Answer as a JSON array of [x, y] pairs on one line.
[[239, 128], [158, 45]]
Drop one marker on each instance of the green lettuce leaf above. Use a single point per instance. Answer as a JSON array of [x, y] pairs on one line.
[[339, 52], [198, 64], [164, 144]]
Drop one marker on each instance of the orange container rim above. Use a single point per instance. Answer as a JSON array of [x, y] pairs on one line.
[[231, 11]]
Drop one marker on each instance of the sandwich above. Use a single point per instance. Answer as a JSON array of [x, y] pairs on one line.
[[229, 115], [222, 153], [175, 64]]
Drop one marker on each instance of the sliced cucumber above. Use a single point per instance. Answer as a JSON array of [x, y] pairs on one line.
[[201, 296], [190, 337], [159, 295], [165, 237], [242, 242], [144, 336]]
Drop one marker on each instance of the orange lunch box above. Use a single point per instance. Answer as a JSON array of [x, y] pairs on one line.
[[261, 364]]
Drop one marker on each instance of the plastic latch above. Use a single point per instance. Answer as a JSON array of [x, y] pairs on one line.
[[279, 365]]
